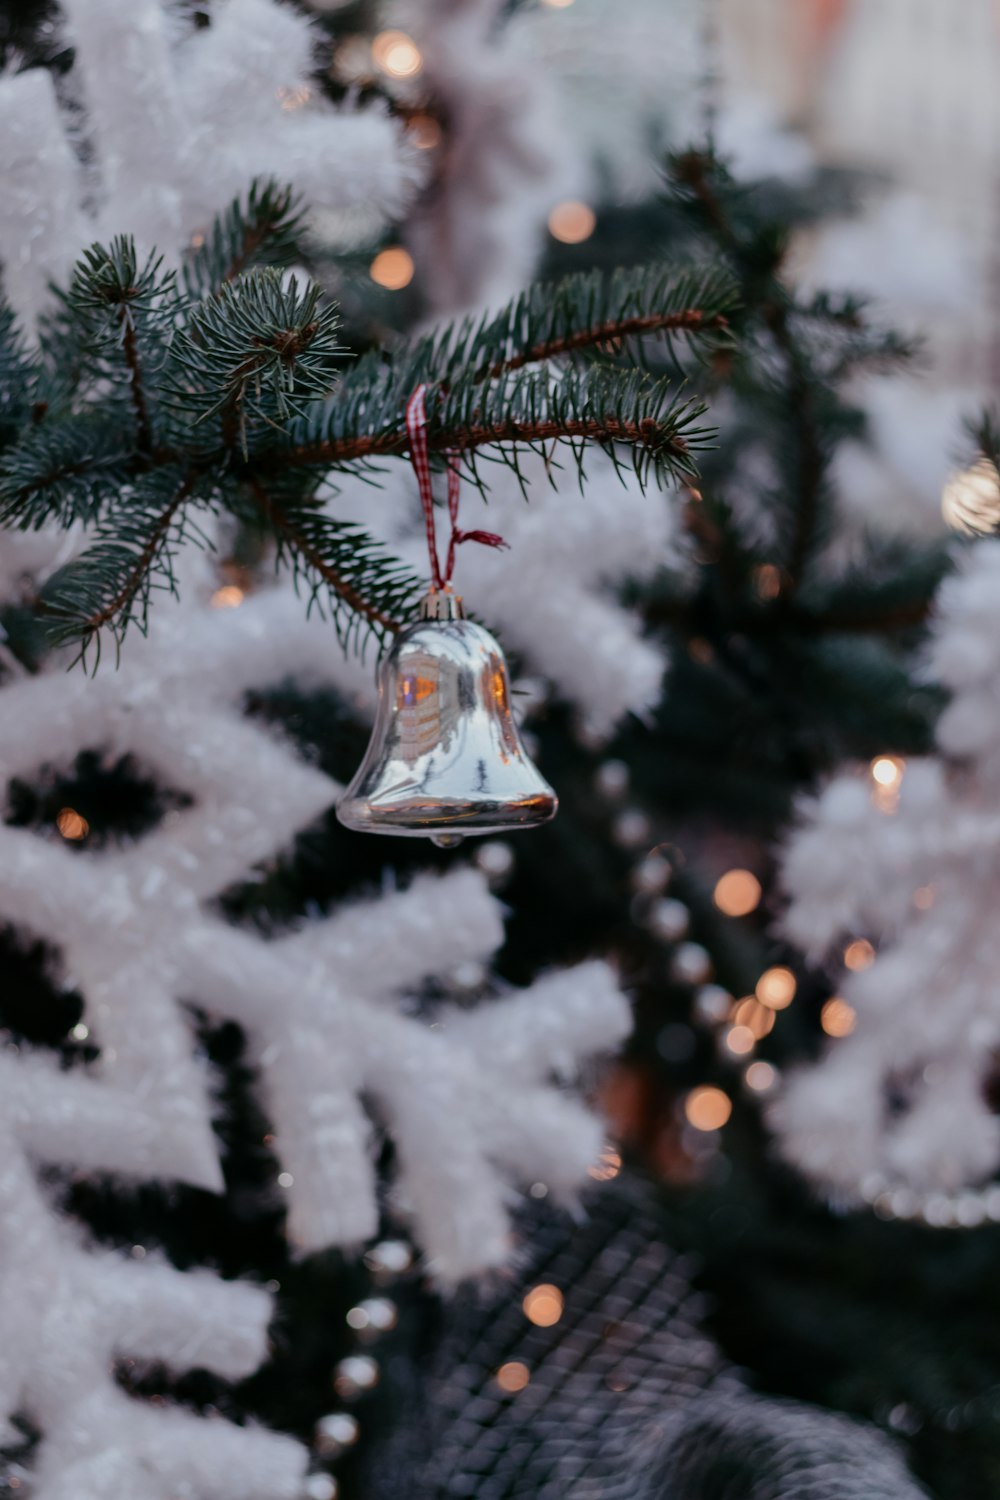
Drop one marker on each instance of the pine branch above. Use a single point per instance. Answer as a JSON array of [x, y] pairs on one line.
[[132, 552], [263, 227], [63, 471], [518, 411], [362, 582], [756, 250], [592, 312], [257, 351], [159, 399]]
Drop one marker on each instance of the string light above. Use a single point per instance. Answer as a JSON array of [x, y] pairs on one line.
[[513, 1376], [392, 268], [572, 222], [707, 1108], [396, 54], [228, 597], [740, 1040], [970, 501], [758, 1018], [887, 776], [760, 1077], [607, 1166], [859, 955], [294, 98], [424, 132], [837, 1018], [776, 988], [737, 893], [355, 1375], [887, 770], [543, 1305], [71, 824], [80, 1031], [767, 582]]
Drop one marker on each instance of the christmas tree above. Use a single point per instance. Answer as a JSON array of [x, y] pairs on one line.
[[275, 1089]]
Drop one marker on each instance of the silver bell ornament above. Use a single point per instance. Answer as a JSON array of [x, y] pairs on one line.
[[445, 758]]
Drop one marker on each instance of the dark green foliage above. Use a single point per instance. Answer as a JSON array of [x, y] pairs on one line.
[[153, 399]]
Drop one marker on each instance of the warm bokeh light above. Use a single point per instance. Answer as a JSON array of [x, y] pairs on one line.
[[707, 1108], [294, 98], [767, 581], [228, 597], [396, 54], [572, 222], [392, 268], [756, 1017], [859, 955], [887, 770], [557, 4], [837, 1018], [760, 1076], [737, 893], [740, 1040], [608, 1165], [513, 1376], [970, 501], [71, 825], [776, 988], [923, 897], [543, 1305], [424, 132]]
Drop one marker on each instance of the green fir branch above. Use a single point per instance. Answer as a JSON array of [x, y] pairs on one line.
[[131, 555], [230, 390], [262, 228]]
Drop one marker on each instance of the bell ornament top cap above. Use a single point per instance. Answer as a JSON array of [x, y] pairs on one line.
[[442, 604]]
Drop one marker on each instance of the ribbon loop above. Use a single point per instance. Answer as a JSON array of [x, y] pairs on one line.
[[416, 430]]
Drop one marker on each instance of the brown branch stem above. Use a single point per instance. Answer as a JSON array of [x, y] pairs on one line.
[[647, 434], [130, 349], [143, 562], [280, 522], [691, 319]]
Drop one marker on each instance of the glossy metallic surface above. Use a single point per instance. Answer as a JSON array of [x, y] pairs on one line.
[[445, 758]]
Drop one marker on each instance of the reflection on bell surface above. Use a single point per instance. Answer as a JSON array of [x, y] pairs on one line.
[[445, 758]]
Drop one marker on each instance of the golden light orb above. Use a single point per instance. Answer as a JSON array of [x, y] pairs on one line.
[[396, 54], [228, 597], [607, 1166], [543, 1305], [513, 1376], [859, 955], [776, 988], [737, 893], [424, 132], [392, 268], [837, 1018], [740, 1040], [707, 1108], [572, 222], [71, 824], [887, 770], [758, 1018], [760, 1076], [970, 501]]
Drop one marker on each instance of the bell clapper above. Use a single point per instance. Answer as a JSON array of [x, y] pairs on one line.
[[447, 840]]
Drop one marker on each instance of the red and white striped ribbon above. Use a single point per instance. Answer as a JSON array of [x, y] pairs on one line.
[[416, 430]]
